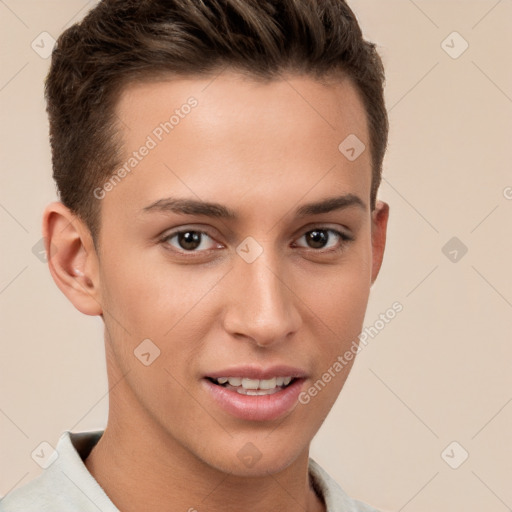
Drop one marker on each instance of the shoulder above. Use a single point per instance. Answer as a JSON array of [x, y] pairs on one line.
[[335, 498], [39, 495], [65, 485]]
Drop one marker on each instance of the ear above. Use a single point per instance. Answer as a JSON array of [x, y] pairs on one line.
[[72, 258], [380, 217]]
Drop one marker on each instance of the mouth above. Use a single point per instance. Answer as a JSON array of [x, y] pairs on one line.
[[254, 394], [253, 387]]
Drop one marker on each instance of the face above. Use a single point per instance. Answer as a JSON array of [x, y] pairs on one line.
[[270, 279]]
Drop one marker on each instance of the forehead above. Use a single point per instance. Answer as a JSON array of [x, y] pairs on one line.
[[235, 98], [211, 136]]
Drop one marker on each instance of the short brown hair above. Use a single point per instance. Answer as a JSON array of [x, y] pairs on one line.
[[123, 40]]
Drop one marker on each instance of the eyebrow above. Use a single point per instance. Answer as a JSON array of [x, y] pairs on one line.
[[208, 209]]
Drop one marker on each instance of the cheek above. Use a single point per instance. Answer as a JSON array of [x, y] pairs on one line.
[[156, 298], [335, 321], [334, 314], [337, 316], [339, 294]]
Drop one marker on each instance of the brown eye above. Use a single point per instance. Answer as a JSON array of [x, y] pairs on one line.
[[317, 239], [188, 240], [325, 238]]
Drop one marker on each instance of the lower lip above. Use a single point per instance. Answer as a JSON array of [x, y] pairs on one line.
[[255, 407]]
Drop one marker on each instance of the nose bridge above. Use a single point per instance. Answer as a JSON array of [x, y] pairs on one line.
[[262, 306]]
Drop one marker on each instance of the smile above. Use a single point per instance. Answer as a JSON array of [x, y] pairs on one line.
[[247, 386], [249, 400]]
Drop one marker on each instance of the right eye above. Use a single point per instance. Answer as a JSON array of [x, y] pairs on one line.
[[188, 241]]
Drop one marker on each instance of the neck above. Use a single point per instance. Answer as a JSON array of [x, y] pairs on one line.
[[121, 462]]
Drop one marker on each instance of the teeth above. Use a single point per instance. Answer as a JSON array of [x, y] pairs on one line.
[[250, 383], [243, 391], [255, 384], [268, 383]]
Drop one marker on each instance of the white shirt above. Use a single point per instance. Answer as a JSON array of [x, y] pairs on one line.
[[67, 486]]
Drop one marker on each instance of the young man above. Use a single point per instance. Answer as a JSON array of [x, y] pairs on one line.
[[218, 163]]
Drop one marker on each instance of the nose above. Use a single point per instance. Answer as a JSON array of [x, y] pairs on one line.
[[262, 306]]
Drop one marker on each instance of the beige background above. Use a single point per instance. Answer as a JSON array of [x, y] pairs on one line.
[[439, 372]]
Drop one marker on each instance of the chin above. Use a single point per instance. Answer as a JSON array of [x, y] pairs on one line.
[[251, 461]]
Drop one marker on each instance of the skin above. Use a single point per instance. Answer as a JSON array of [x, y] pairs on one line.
[[261, 149]]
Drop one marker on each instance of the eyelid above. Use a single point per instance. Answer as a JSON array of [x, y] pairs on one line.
[[342, 230], [324, 226]]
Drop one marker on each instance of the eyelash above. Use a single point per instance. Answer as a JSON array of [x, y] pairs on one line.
[[343, 237]]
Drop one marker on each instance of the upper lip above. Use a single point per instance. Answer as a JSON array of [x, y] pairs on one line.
[[256, 372]]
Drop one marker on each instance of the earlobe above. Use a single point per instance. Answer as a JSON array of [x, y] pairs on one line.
[[72, 258], [380, 217]]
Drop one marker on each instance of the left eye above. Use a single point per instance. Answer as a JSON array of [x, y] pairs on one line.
[[319, 238], [188, 240]]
